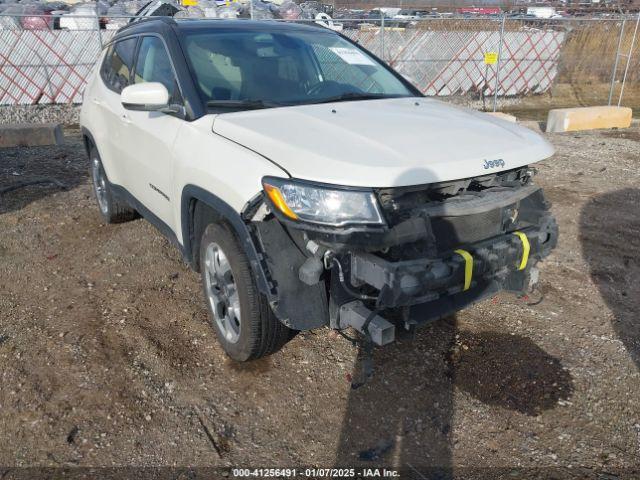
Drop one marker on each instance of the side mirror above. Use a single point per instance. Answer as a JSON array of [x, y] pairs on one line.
[[147, 97]]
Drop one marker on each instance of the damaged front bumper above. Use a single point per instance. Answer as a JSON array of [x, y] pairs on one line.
[[404, 283], [427, 289], [438, 253]]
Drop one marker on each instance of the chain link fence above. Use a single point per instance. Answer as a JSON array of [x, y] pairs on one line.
[[497, 62]]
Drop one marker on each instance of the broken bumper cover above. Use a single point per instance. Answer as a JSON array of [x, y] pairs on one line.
[[411, 282], [442, 247], [435, 288]]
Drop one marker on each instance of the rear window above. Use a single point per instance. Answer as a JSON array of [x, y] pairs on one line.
[[118, 64]]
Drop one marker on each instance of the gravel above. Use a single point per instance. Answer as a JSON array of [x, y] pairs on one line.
[[64, 114]]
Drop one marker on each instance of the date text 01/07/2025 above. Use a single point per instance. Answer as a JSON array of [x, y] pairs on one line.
[[314, 473]]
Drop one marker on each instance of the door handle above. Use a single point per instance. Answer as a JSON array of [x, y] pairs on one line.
[[96, 101], [125, 118]]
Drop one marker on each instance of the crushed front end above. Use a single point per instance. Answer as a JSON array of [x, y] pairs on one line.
[[436, 249]]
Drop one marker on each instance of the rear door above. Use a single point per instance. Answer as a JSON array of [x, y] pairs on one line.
[[116, 73], [150, 136]]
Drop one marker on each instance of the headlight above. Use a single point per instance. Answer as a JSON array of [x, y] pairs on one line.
[[322, 204]]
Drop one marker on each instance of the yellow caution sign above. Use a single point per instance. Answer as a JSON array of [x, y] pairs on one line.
[[526, 247], [190, 3], [490, 58], [468, 267]]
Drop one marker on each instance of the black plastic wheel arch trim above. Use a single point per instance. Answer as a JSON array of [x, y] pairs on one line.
[[234, 219], [88, 140]]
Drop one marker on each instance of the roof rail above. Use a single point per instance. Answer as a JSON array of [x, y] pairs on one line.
[[137, 21]]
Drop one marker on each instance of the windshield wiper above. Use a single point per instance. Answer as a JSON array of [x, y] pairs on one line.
[[241, 104], [345, 97]]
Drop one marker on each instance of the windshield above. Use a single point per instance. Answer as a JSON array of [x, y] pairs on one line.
[[257, 69]]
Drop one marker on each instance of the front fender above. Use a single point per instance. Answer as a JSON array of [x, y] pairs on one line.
[[226, 212]]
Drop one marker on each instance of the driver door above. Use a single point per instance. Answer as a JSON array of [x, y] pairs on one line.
[[152, 135]]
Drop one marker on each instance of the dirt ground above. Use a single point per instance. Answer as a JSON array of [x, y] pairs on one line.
[[107, 358]]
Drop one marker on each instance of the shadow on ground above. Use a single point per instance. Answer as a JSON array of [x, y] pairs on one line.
[[403, 416], [510, 371], [28, 174], [610, 238]]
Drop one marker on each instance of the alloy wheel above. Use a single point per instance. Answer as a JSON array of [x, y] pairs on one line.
[[222, 292], [99, 185]]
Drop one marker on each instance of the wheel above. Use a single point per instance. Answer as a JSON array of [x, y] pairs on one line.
[[111, 208], [242, 319]]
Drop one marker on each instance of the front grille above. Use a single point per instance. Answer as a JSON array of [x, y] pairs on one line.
[[451, 232], [399, 204]]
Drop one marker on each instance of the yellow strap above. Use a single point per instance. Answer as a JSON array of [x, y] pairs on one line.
[[468, 267], [525, 249]]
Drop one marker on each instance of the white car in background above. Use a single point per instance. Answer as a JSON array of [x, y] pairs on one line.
[[309, 183], [406, 15], [82, 17]]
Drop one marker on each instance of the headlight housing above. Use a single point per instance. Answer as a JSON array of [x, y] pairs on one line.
[[322, 204]]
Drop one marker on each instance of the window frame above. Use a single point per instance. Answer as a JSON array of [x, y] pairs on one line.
[[109, 51], [138, 37], [182, 35], [171, 62]]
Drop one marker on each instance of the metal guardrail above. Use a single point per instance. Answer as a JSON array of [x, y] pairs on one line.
[[486, 58]]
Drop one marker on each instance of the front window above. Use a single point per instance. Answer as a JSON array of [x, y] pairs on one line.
[[154, 65], [236, 68]]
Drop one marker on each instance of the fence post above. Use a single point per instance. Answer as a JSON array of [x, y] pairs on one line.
[[382, 36], [615, 63], [47, 72], [98, 30], [495, 91], [626, 69]]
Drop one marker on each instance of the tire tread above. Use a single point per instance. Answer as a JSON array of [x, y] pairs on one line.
[[267, 333], [119, 211]]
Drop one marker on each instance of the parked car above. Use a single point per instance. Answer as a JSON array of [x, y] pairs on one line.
[[309, 183], [349, 19], [375, 15], [406, 15], [81, 17], [26, 17]]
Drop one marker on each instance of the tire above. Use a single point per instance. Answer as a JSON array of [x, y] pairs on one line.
[[112, 209], [245, 326]]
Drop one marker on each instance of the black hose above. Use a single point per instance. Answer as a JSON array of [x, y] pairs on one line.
[[348, 288], [539, 301]]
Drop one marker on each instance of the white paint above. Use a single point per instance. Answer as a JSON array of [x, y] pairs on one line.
[[542, 12], [383, 143], [148, 93]]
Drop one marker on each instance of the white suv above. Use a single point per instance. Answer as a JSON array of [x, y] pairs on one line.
[[308, 182]]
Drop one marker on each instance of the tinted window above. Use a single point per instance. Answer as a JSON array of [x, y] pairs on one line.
[[154, 65], [118, 64]]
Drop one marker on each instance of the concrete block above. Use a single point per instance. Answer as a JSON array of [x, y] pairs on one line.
[[588, 118], [503, 116], [31, 134]]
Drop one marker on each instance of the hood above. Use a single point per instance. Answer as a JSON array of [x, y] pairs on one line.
[[383, 143]]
